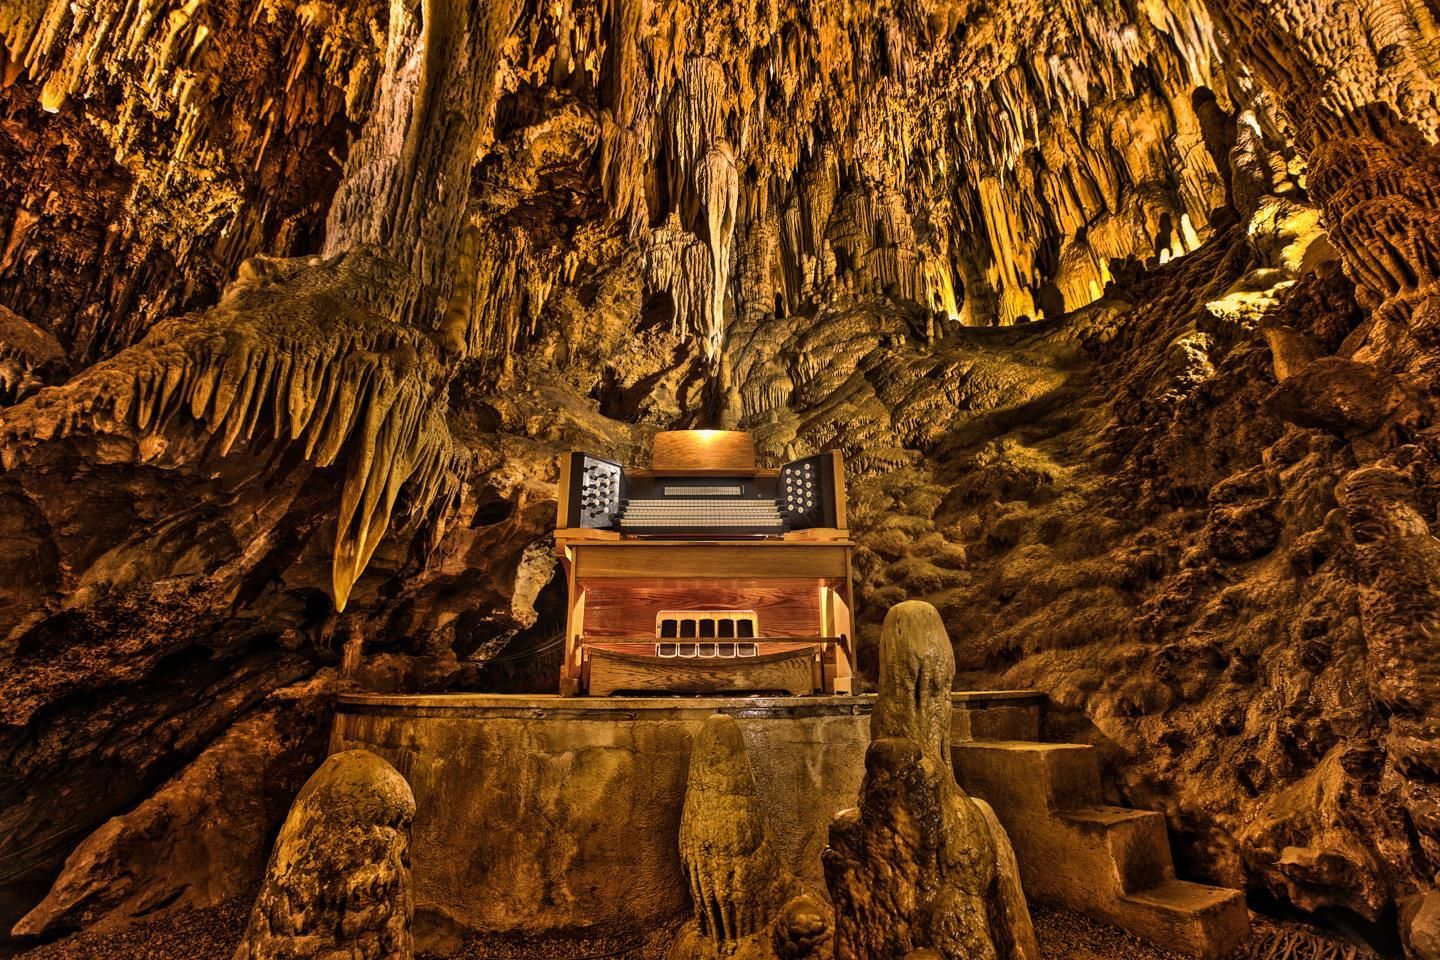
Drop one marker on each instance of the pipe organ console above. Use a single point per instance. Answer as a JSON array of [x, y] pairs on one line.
[[705, 573]]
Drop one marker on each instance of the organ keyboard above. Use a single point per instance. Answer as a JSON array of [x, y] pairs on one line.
[[688, 515], [600, 494], [705, 529]]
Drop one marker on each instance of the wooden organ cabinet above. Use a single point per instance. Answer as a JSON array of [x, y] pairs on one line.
[[705, 574]]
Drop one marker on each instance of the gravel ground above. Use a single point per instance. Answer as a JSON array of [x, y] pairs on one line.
[[653, 947], [213, 934], [184, 934], [1070, 936]]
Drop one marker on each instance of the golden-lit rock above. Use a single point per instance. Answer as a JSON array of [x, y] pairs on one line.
[[747, 902], [338, 881], [201, 838], [1125, 317], [919, 864], [29, 356]]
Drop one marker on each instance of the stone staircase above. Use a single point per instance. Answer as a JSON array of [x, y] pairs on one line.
[[1110, 863]]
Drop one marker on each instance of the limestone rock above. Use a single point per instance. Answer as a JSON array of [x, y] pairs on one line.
[[1399, 561], [1334, 394], [804, 927], [747, 902], [548, 226], [200, 839], [918, 865], [30, 356], [736, 881], [1423, 928], [338, 881]]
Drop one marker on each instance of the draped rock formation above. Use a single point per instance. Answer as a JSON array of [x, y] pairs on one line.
[[299, 300], [919, 865], [747, 902]]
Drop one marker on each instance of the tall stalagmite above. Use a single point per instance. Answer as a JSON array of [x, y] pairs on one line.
[[919, 865]]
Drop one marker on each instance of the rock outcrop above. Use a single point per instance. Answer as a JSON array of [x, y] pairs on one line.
[[747, 902], [300, 300], [338, 881], [919, 865], [201, 838], [30, 357]]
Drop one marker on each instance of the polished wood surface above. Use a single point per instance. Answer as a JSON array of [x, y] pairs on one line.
[[798, 585], [784, 608], [710, 559], [731, 451], [791, 671], [563, 516]]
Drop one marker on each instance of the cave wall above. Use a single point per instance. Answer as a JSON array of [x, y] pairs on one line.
[[1122, 314]]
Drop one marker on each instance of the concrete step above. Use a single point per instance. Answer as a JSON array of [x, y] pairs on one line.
[[1025, 775], [996, 715], [1107, 862], [1135, 842], [1190, 918]]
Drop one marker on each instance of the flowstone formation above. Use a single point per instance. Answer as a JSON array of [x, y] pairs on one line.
[[1181, 540], [299, 300], [338, 882], [918, 865], [748, 904]]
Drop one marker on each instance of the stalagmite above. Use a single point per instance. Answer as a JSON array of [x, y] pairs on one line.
[[747, 902], [920, 865], [338, 882]]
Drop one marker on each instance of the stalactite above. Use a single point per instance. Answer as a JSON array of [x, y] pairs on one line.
[[403, 189], [341, 380], [28, 356], [1097, 136], [823, 192], [506, 284], [679, 263], [216, 160], [718, 188], [335, 352]]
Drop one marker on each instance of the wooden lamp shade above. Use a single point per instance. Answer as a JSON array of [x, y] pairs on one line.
[[721, 451]]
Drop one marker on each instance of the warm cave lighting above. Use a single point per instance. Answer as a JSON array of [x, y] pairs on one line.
[[1065, 585]]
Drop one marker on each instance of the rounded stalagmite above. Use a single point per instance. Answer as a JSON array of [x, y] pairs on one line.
[[919, 869], [338, 882]]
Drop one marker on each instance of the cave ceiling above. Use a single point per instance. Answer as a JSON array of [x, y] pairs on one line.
[[1122, 313]]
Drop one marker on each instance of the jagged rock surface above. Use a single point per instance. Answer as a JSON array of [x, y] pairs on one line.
[[338, 881], [919, 865], [201, 839], [788, 218]]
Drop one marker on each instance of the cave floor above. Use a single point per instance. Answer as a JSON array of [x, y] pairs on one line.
[[211, 934]]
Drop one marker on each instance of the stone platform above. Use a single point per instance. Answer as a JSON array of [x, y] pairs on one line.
[[547, 814]]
